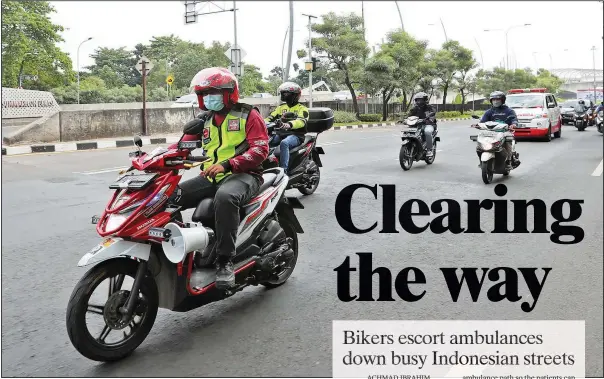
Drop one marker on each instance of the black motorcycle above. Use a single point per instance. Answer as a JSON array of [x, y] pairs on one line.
[[413, 148], [581, 120], [304, 161]]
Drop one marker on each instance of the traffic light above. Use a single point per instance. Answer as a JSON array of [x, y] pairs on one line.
[[311, 65]]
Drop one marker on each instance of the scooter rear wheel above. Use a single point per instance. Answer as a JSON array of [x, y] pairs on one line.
[[95, 348], [309, 191], [291, 264]]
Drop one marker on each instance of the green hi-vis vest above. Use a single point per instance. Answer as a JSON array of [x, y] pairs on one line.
[[227, 140]]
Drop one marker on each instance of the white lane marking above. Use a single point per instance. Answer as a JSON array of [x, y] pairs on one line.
[[103, 171], [331, 143], [598, 170]]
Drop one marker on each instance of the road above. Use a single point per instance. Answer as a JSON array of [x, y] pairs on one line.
[[47, 201]]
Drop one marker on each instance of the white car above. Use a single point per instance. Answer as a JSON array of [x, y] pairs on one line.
[[537, 111], [186, 101]]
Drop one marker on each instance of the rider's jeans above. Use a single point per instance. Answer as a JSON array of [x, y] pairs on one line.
[[285, 145], [229, 194], [428, 130]]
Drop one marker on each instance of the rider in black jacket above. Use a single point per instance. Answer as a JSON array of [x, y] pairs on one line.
[[425, 111]]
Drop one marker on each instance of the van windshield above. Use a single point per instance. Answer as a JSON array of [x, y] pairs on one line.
[[525, 101]]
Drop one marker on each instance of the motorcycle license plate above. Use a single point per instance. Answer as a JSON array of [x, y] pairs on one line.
[[410, 130], [488, 134], [522, 125]]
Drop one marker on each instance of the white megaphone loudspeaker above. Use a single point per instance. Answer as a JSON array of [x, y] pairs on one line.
[[183, 241]]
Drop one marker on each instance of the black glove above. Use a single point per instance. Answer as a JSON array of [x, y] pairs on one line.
[[203, 116]]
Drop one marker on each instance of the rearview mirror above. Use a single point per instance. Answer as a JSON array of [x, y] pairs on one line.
[[138, 141], [475, 117], [193, 127]]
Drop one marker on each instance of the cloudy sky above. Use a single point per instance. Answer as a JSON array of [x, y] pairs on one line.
[[555, 28]]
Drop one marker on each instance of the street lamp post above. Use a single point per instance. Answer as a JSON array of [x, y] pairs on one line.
[[444, 30], [310, 17], [78, 65], [593, 51], [507, 56]]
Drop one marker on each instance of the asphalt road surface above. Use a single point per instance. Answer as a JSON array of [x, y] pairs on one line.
[[48, 199]]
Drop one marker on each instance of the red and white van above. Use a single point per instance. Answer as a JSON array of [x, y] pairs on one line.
[[537, 111]]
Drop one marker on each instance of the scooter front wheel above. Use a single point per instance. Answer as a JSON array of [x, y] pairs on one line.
[[405, 156], [487, 173], [134, 329]]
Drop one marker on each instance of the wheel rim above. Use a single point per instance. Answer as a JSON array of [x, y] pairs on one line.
[[408, 158], [290, 264], [313, 188], [113, 321]]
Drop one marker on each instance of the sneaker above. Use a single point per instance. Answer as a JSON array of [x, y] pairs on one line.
[[225, 275]]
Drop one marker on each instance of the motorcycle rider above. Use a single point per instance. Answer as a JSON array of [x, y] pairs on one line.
[[501, 112], [290, 94], [235, 136], [599, 108], [422, 109]]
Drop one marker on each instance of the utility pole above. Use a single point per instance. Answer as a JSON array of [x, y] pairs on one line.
[[400, 16], [78, 65], [291, 39], [364, 56], [310, 17], [144, 72], [191, 15]]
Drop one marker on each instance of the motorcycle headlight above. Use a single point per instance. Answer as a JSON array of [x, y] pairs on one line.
[[486, 146], [601, 114], [132, 208]]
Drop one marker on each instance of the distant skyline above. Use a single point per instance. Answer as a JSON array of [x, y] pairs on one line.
[[262, 26]]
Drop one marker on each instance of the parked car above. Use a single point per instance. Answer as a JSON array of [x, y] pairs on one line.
[[538, 113], [186, 101], [263, 95]]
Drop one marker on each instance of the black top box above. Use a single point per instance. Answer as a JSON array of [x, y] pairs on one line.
[[319, 120]]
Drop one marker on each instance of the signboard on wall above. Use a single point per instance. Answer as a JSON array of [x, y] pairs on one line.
[[22, 103], [588, 94]]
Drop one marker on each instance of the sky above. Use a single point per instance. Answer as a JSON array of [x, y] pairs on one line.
[[262, 26]]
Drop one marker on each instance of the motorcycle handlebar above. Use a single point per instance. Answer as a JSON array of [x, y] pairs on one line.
[[202, 158]]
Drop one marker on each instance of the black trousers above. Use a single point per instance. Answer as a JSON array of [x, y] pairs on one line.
[[229, 195]]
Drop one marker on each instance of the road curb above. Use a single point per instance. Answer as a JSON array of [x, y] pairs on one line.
[[86, 145], [106, 144]]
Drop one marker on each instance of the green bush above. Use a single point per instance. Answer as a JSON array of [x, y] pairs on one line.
[[448, 114], [343, 117], [370, 117]]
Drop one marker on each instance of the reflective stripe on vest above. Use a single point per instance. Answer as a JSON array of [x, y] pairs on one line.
[[220, 143]]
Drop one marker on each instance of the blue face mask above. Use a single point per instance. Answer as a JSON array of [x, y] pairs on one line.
[[213, 102]]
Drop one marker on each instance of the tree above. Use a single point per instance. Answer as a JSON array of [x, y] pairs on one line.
[[342, 39], [29, 46], [546, 80], [251, 82], [501, 79], [379, 77], [120, 60], [464, 63], [445, 67], [411, 60], [110, 77]]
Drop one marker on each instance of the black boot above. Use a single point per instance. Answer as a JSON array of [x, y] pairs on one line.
[[225, 274]]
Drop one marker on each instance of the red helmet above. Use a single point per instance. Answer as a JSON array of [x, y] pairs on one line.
[[216, 78]]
